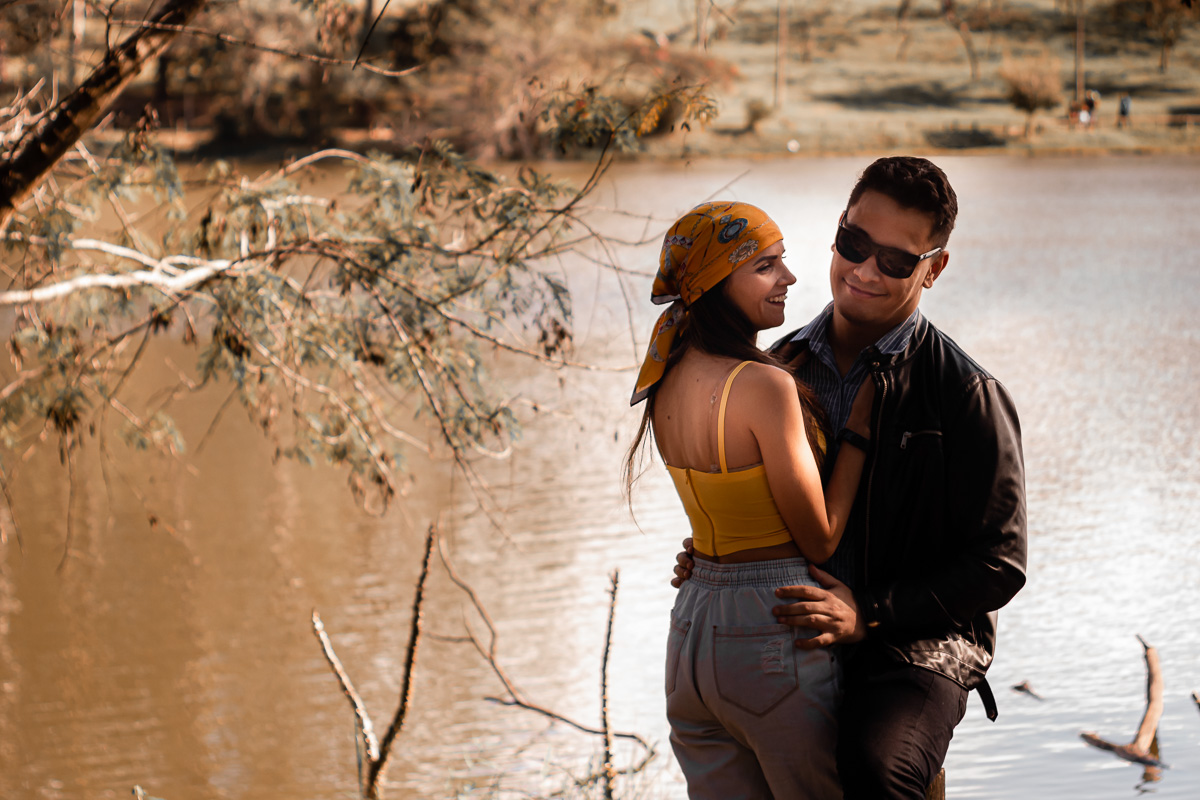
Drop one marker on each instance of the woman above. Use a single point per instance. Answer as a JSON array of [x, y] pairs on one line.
[[751, 715]]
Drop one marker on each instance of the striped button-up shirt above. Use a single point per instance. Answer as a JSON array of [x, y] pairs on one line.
[[836, 393]]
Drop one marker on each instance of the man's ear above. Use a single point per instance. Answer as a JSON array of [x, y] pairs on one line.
[[935, 269]]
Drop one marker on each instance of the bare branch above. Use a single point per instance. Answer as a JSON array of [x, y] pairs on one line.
[[375, 771], [517, 697], [1154, 700], [163, 277], [69, 456], [377, 752], [370, 30], [227, 39], [312, 158], [212, 425], [356, 703], [610, 776], [1141, 750]]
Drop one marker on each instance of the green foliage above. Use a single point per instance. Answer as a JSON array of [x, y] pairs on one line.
[[156, 433], [334, 315], [335, 318], [594, 119]]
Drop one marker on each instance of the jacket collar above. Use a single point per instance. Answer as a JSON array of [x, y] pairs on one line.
[[895, 346]]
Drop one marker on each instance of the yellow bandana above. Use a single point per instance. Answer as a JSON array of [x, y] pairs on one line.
[[700, 250]]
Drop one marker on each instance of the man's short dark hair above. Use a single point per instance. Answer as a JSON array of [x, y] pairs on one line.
[[915, 183]]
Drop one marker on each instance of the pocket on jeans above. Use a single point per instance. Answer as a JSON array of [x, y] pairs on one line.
[[675, 638], [755, 666]]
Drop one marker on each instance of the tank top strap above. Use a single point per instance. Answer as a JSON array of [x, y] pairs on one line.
[[721, 414]]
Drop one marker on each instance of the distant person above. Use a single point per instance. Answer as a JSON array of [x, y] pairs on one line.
[[1091, 100], [1123, 106], [752, 715], [936, 541]]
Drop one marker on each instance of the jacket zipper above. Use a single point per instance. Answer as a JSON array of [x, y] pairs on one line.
[[909, 434], [883, 385]]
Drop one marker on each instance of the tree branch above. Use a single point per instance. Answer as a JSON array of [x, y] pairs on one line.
[[517, 697], [58, 131], [377, 752], [370, 30], [610, 775], [375, 771], [158, 279], [1141, 750], [227, 39], [367, 730], [1154, 700]]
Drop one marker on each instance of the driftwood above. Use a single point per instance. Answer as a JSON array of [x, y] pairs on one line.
[[1024, 688], [1144, 747]]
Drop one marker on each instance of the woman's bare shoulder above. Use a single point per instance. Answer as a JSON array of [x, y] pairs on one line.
[[767, 382]]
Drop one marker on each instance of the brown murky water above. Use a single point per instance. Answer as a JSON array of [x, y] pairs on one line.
[[179, 657]]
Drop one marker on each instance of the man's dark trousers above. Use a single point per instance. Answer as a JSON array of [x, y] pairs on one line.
[[895, 727]]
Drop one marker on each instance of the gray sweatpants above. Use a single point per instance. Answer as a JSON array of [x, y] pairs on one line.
[[752, 716]]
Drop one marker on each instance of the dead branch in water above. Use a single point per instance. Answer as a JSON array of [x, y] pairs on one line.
[[369, 743], [610, 775], [517, 697], [1144, 748], [1024, 688], [370, 768]]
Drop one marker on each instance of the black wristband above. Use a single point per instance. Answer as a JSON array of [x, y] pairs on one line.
[[854, 439]]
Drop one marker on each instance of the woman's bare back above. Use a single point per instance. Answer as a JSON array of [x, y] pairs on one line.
[[686, 409]]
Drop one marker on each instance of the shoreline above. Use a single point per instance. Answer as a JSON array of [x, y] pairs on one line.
[[189, 145]]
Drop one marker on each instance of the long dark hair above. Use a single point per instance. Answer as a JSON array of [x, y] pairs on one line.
[[915, 183], [716, 326]]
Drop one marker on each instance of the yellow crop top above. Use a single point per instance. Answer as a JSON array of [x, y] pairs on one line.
[[729, 511]]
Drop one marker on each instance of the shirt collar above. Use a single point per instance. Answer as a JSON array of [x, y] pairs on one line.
[[816, 333]]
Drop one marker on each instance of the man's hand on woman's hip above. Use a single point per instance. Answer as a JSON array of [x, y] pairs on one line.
[[829, 610]]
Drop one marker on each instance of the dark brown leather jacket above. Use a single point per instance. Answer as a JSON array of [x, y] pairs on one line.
[[939, 521]]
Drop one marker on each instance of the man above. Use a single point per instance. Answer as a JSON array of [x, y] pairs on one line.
[[936, 542]]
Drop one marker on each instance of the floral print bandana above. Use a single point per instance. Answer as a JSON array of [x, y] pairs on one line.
[[700, 250]]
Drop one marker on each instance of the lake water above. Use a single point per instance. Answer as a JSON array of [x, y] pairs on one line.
[[179, 656]]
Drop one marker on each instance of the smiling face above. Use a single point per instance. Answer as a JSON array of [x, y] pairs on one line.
[[758, 288], [867, 303]]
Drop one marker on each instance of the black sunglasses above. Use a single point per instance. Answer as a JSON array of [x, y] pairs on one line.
[[856, 247]]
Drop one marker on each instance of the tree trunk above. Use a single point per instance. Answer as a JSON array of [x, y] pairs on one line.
[[950, 14], [368, 19], [781, 48], [1079, 51], [79, 111]]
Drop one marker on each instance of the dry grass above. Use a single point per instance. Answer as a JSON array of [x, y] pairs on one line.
[[860, 80]]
